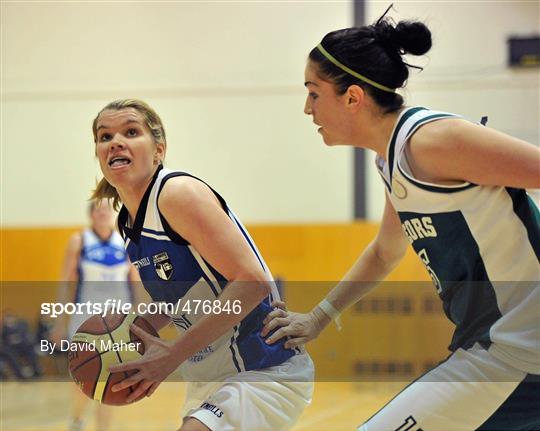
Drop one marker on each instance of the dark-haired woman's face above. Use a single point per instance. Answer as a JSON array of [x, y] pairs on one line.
[[327, 108]]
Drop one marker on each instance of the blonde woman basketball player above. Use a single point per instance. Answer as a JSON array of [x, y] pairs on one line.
[[456, 189], [189, 246]]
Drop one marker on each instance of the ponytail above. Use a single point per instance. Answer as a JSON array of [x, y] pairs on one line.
[[104, 190]]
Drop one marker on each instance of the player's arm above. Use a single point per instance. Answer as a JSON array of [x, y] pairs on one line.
[[457, 150], [379, 258], [134, 278], [140, 295], [69, 266], [68, 279], [194, 212]]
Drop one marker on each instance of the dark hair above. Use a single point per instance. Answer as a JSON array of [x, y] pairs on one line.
[[374, 51]]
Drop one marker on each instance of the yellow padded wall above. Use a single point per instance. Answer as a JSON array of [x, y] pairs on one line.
[[309, 259]]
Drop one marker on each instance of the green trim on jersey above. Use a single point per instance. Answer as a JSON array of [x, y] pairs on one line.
[[391, 147], [430, 187]]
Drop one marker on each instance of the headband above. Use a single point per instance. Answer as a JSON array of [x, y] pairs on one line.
[[352, 72]]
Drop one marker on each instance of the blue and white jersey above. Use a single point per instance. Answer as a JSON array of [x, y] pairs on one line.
[[175, 273], [481, 247], [102, 269]]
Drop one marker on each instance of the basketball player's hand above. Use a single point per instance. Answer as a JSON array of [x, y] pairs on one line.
[[298, 327], [158, 361]]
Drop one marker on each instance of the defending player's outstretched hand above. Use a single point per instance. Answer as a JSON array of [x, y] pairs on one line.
[[298, 327], [158, 361]]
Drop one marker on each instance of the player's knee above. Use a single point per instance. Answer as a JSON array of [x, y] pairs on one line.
[[192, 424]]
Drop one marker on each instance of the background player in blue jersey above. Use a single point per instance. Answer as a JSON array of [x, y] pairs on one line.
[[457, 191], [189, 246], [96, 268]]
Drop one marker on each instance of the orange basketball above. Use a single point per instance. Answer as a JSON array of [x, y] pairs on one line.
[[99, 343]]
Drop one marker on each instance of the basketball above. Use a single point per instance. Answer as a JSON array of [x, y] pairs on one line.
[[99, 343]]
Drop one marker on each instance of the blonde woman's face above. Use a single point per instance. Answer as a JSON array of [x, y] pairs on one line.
[[125, 148]]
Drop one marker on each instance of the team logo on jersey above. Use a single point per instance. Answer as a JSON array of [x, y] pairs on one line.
[[163, 265], [398, 189]]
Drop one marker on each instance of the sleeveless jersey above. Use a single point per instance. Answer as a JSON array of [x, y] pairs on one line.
[[174, 272], [102, 269], [481, 247]]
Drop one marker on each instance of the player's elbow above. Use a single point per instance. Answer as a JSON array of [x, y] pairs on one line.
[[388, 257], [256, 280]]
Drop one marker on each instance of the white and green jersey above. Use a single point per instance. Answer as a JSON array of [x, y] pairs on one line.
[[481, 247]]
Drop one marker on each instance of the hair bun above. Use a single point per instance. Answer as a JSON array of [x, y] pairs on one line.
[[386, 35], [413, 37], [407, 37]]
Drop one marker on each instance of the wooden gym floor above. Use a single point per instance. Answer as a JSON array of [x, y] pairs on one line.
[[45, 406]]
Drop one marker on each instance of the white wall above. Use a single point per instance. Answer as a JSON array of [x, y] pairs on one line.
[[226, 77], [466, 70]]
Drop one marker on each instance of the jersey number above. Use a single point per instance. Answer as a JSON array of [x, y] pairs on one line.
[[408, 425], [425, 260]]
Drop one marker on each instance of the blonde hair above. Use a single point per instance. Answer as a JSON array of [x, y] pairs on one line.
[[104, 190]]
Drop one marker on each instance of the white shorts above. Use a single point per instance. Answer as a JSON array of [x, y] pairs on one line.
[[471, 390], [264, 400]]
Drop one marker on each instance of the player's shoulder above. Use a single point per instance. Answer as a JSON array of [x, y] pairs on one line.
[[439, 138], [75, 242], [183, 188], [116, 239], [442, 130], [183, 192]]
